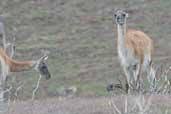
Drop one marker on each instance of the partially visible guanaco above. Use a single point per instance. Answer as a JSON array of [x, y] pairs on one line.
[[10, 65]]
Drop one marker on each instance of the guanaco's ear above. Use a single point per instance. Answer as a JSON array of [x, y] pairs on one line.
[[125, 11], [45, 57], [115, 10]]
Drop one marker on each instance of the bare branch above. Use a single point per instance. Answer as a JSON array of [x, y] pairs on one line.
[[148, 103], [7, 90], [126, 104], [112, 104], [116, 108], [142, 104], [10, 47], [134, 106], [164, 87], [18, 89], [37, 86], [3, 35]]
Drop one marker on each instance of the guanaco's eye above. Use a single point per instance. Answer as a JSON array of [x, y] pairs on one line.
[[115, 15]]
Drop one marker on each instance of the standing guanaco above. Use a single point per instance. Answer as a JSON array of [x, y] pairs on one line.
[[135, 51]]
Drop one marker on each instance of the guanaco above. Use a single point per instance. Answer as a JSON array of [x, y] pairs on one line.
[[135, 51]]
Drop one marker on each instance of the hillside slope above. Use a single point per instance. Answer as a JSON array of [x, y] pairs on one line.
[[81, 38]]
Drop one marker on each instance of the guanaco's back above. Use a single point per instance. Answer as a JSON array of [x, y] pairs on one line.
[[140, 43]]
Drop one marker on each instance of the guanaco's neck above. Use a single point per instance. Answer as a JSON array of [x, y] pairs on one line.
[[121, 36], [13, 65]]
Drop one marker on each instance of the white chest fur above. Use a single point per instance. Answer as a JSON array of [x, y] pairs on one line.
[[126, 57], [125, 54]]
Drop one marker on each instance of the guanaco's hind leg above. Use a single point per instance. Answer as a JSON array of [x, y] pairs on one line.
[[151, 77], [137, 72], [139, 81], [129, 80]]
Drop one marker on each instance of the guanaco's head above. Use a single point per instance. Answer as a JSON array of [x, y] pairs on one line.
[[120, 16], [42, 67]]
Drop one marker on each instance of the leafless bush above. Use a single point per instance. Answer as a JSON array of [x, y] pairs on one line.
[[162, 84], [139, 103], [133, 105]]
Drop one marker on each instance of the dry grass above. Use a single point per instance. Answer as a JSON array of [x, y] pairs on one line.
[[96, 105]]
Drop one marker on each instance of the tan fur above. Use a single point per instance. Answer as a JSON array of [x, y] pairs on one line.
[[135, 50], [139, 42], [15, 66]]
